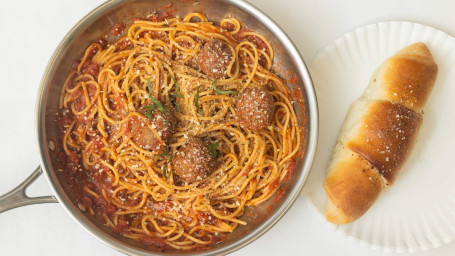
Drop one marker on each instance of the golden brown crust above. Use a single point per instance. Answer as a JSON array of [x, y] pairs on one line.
[[406, 78], [409, 80], [352, 186], [379, 132], [386, 136]]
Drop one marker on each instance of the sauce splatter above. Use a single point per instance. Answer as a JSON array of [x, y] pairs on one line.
[[117, 29]]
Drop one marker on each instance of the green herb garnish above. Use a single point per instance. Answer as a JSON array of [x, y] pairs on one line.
[[177, 92], [168, 158], [165, 173], [177, 87], [213, 149], [197, 100], [158, 104], [164, 156], [220, 91], [149, 108], [149, 87]]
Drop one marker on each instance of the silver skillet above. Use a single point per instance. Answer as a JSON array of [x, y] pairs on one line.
[[287, 62]]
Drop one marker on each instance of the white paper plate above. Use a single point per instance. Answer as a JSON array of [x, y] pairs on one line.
[[418, 212]]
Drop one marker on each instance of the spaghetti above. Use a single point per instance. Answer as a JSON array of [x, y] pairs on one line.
[[128, 108]]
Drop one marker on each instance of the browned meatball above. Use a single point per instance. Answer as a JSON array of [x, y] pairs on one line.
[[214, 58], [255, 108], [162, 123], [194, 162]]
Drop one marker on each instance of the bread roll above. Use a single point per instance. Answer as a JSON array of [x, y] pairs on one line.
[[378, 134]]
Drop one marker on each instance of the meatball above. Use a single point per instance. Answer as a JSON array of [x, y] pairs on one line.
[[255, 108], [194, 162], [214, 58], [162, 123]]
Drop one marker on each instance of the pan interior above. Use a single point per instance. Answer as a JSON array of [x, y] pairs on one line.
[[287, 63]]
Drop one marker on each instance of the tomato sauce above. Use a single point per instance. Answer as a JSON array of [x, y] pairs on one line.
[[160, 17], [228, 26], [87, 182], [117, 29], [297, 95], [167, 6]]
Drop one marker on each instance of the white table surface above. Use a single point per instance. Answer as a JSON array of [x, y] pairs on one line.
[[30, 31]]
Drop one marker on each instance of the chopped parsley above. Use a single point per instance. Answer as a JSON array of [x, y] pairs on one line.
[[149, 108], [168, 158], [196, 102], [165, 156], [177, 87], [166, 173], [177, 107], [220, 91], [157, 103], [149, 87], [213, 149], [177, 93]]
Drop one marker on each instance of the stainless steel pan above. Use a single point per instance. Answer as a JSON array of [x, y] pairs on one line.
[[98, 22]]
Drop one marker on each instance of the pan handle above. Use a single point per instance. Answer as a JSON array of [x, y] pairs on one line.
[[18, 196]]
